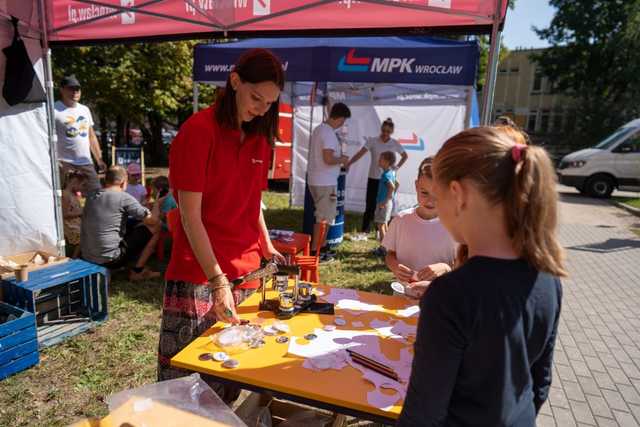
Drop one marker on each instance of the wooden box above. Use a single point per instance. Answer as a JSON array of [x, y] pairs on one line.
[[66, 299], [18, 344]]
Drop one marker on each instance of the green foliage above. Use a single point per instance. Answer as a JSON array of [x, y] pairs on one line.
[[146, 84], [483, 41], [595, 58]]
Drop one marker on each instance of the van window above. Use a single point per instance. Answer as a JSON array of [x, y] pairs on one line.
[[615, 137], [633, 142]]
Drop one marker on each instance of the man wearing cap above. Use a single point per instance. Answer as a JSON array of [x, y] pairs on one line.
[[76, 139], [134, 186]]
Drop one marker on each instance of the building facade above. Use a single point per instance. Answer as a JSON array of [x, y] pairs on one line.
[[528, 97]]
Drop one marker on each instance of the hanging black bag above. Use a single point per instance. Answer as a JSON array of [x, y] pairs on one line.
[[19, 75]]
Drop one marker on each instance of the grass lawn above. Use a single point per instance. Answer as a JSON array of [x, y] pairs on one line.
[[634, 202], [73, 378]]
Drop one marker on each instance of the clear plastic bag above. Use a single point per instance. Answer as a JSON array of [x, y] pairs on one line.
[[306, 419], [182, 401], [236, 339]]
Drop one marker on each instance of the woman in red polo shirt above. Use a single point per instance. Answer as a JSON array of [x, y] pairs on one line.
[[218, 168]]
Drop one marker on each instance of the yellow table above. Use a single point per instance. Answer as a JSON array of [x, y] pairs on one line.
[[270, 368]]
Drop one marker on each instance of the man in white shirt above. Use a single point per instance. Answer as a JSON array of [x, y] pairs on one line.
[[76, 139], [325, 160]]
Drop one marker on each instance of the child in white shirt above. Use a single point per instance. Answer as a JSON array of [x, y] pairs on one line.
[[419, 248]]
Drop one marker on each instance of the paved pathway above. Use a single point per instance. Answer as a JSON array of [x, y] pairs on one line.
[[597, 359]]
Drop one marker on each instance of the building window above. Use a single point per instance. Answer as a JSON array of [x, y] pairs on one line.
[[545, 122], [531, 123], [557, 122], [570, 123], [503, 70], [515, 69], [537, 82]]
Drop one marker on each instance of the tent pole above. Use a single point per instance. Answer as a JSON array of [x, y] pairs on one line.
[[51, 123], [293, 132], [492, 68], [196, 95], [467, 114]]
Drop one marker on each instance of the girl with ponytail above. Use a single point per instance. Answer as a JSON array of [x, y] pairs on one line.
[[487, 330]]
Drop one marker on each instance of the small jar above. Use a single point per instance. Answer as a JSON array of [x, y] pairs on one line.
[[304, 291], [286, 302], [280, 281]]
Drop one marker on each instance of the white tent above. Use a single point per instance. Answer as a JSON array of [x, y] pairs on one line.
[[425, 116], [28, 209]]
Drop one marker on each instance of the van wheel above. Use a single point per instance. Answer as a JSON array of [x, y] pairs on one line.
[[600, 186]]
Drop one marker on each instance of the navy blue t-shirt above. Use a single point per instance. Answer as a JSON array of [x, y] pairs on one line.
[[484, 346]]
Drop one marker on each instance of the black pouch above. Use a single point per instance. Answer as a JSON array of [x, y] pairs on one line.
[[19, 74]]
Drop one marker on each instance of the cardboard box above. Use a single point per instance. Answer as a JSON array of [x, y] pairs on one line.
[[139, 412], [27, 258]]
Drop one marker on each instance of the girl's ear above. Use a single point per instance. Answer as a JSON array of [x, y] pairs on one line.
[[460, 194]]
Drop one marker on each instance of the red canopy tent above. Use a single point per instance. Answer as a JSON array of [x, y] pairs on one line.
[[73, 21], [92, 21]]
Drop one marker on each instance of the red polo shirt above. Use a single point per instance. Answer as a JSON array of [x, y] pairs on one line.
[[210, 159]]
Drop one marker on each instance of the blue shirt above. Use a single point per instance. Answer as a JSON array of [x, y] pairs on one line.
[[484, 346], [168, 203], [387, 176]]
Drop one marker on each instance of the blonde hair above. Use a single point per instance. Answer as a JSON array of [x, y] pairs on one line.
[[518, 176], [389, 156], [425, 168]]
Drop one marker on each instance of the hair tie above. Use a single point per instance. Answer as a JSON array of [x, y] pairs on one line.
[[516, 152]]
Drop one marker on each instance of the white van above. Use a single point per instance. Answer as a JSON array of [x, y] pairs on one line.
[[613, 163]]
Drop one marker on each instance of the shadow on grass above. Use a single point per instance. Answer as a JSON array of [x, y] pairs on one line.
[[286, 219], [147, 292]]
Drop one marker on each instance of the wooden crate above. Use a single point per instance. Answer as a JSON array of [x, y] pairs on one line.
[[67, 299], [18, 343]]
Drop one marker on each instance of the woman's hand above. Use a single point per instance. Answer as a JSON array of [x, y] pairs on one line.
[[271, 253], [434, 270], [224, 305]]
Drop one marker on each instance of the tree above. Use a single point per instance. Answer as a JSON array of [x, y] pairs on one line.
[[595, 58], [483, 61], [146, 85]]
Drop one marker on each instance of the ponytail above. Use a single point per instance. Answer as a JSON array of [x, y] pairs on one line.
[[388, 122], [531, 209], [507, 171]]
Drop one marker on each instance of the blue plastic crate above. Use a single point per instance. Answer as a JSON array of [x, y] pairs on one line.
[[18, 343], [67, 299]]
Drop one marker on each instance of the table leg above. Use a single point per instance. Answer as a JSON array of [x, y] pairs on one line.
[[339, 420]]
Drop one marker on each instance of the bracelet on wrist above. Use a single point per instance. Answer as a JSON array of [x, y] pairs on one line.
[[218, 287], [218, 280]]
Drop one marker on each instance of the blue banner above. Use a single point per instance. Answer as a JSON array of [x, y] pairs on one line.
[[417, 60]]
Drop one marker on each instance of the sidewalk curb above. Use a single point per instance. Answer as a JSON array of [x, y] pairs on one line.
[[628, 208]]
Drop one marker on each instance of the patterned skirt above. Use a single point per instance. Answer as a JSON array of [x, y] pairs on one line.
[[186, 314]]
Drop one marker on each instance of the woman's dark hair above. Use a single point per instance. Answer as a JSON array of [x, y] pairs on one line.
[[254, 66], [388, 122]]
